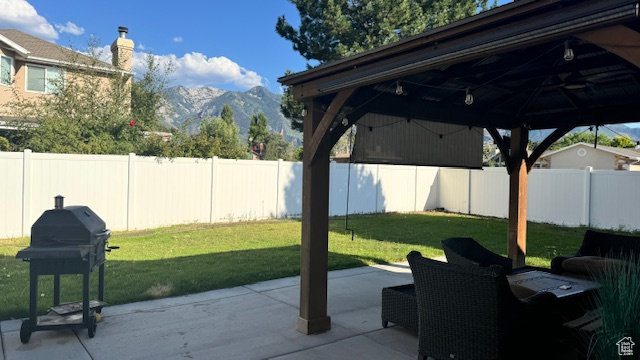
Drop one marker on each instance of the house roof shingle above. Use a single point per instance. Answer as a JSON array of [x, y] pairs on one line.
[[42, 51]]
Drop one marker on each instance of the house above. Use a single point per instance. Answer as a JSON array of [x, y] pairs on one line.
[[581, 155], [30, 66]]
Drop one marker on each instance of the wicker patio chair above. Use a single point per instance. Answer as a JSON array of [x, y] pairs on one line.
[[469, 312], [596, 244], [467, 251]]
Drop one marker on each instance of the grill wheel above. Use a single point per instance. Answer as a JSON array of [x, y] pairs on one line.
[[25, 331]]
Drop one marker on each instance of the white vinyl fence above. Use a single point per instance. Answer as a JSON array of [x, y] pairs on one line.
[[133, 192]]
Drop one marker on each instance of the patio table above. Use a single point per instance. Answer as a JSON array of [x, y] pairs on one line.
[[561, 286]]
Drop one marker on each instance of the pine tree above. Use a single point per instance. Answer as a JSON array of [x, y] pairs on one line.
[[332, 29]]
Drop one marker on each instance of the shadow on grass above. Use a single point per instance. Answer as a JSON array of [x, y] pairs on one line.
[[132, 281]]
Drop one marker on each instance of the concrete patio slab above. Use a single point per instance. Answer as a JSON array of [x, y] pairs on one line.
[[53, 345], [249, 326], [255, 321], [144, 306], [359, 347], [396, 338]]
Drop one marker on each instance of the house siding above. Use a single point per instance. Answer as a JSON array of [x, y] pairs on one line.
[[570, 159]]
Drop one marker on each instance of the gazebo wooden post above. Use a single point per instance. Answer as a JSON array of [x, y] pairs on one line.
[[518, 180], [315, 229]]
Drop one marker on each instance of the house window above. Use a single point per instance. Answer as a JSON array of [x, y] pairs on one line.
[[43, 79], [6, 70]]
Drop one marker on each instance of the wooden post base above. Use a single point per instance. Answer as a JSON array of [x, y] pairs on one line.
[[314, 326]]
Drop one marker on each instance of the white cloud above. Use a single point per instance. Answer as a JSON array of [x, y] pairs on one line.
[[70, 28], [19, 14], [177, 39], [196, 69], [140, 47]]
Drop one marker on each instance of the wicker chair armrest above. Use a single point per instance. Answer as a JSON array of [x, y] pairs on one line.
[[556, 264]]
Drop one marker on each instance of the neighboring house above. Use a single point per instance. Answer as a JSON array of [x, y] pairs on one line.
[[30, 66], [581, 155]]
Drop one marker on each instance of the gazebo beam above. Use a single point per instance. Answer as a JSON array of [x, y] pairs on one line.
[[320, 134], [544, 145], [315, 228]]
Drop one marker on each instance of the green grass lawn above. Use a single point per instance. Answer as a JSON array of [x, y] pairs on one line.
[[187, 259]]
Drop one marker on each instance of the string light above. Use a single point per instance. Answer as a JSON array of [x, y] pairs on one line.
[[303, 112], [568, 51], [468, 99], [345, 122]]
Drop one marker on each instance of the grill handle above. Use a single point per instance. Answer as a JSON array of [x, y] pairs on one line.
[[104, 233], [109, 248]]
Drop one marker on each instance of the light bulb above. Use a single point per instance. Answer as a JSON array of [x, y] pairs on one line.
[[568, 54], [345, 122], [468, 99], [568, 51], [303, 112], [399, 90]]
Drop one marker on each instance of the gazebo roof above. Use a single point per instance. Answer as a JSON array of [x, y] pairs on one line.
[[510, 59]]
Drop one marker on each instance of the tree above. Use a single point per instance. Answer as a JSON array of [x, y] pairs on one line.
[[4, 144], [290, 107], [258, 129], [93, 112], [227, 114], [333, 29], [218, 137], [88, 113], [147, 93], [276, 147], [574, 138], [623, 142]]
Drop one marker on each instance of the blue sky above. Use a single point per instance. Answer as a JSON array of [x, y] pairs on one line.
[[231, 45], [228, 44]]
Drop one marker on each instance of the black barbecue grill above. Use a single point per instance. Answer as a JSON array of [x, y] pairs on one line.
[[65, 240]]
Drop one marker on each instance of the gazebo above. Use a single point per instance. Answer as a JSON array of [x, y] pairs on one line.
[[527, 65]]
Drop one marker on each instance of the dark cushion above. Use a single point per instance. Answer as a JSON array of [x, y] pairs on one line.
[[590, 265], [609, 245]]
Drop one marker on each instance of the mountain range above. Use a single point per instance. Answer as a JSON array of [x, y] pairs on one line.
[[188, 106]]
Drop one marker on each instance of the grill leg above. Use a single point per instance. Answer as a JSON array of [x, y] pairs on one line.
[[56, 289], [33, 298], [85, 299], [101, 282]]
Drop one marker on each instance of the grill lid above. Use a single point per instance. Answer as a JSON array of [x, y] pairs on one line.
[[70, 225]]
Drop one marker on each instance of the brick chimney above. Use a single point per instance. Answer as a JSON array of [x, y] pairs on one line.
[[122, 50]]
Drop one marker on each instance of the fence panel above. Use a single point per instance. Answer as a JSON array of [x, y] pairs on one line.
[[454, 190], [98, 181], [167, 192], [397, 188], [615, 199], [556, 196], [363, 188], [289, 189], [426, 188], [11, 180], [131, 192], [489, 192], [245, 190]]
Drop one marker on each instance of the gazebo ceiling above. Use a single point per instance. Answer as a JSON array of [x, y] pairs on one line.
[[511, 60]]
